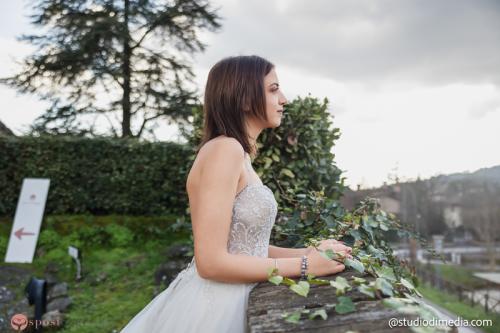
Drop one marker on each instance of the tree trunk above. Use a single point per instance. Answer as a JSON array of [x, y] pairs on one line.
[[4, 130], [127, 52]]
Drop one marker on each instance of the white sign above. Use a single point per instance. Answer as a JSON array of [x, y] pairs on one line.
[[73, 252], [29, 214]]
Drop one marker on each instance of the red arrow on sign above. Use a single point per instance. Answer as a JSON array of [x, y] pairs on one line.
[[19, 233]]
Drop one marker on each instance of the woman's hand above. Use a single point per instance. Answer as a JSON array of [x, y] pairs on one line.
[[336, 246], [319, 266]]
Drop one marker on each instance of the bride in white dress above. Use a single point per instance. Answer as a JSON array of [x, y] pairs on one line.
[[232, 212]]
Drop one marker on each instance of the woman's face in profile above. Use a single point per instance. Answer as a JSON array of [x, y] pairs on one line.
[[275, 100]]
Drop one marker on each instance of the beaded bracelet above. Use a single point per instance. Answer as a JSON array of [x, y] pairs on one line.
[[303, 268]]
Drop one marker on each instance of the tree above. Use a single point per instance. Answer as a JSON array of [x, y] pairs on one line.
[[481, 202], [120, 60], [4, 130]]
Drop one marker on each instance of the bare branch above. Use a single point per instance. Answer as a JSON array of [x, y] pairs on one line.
[[146, 120]]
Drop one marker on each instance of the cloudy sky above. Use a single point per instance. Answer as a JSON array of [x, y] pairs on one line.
[[414, 86]]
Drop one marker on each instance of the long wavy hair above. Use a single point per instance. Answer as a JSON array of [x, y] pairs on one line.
[[234, 90]]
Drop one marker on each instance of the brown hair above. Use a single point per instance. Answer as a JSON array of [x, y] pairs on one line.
[[234, 90]]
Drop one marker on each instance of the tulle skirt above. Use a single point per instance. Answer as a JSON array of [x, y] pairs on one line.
[[194, 304]]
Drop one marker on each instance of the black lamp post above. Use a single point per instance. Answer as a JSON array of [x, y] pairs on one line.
[[36, 292]]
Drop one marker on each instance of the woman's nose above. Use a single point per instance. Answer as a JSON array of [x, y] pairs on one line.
[[283, 100]]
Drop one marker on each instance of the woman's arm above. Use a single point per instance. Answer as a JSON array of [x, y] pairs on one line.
[[238, 268], [211, 204], [283, 252]]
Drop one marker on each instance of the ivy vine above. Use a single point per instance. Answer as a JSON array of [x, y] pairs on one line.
[[365, 229]]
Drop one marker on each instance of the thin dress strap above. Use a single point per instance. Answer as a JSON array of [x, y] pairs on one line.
[[248, 168]]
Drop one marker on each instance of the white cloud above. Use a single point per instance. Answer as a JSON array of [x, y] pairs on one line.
[[411, 84], [448, 41], [16, 111]]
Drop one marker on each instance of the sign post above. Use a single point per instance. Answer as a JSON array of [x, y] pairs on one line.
[[75, 254], [27, 220]]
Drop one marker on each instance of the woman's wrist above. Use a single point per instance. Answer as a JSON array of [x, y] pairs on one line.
[[307, 250], [283, 252]]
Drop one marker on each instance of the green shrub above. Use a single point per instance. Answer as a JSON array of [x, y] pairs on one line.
[[298, 156], [98, 176], [93, 234], [4, 240], [49, 239], [59, 231], [119, 235]]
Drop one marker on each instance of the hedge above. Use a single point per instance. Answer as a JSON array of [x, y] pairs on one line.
[[103, 176], [97, 176]]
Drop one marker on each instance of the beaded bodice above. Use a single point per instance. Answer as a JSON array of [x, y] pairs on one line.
[[254, 213]]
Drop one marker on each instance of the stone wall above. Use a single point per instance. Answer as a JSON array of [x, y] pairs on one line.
[[267, 302]]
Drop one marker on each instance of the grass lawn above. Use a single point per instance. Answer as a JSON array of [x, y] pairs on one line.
[[460, 275], [452, 304], [118, 278]]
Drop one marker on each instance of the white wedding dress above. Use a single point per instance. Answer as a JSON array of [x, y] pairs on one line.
[[194, 304]]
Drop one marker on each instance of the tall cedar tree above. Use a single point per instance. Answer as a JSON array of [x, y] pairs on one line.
[[124, 60]]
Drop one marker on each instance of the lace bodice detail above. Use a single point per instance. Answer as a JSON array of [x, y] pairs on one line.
[[253, 217], [254, 214]]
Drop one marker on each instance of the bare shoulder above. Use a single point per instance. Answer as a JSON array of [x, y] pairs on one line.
[[222, 146], [220, 155]]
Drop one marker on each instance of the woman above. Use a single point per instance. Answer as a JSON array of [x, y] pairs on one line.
[[232, 212]]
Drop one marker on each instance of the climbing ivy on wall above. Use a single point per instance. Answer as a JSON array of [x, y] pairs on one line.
[[365, 229]]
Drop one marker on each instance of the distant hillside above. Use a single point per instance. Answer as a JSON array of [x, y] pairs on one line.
[[485, 174]]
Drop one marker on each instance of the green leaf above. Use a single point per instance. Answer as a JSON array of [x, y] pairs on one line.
[[384, 286], [368, 229], [358, 280], [376, 252], [293, 317], [271, 271], [287, 172], [407, 284], [355, 233], [276, 279], [327, 254], [367, 290], [354, 263], [341, 285], [412, 298], [319, 313], [344, 305], [396, 302], [288, 281], [267, 162], [392, 302], [372, 222], [301, 288], [385, 272], [320, 282]]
